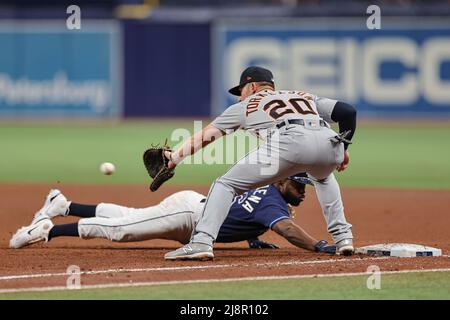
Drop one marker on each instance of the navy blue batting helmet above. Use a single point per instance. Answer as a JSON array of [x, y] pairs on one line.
[[301, 178]]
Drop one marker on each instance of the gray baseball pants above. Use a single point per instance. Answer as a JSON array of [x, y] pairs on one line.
[[289, 150]]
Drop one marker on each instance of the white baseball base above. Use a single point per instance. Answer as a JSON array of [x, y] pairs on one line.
[[400, 250]]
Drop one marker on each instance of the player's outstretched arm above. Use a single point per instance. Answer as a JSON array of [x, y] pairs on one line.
[[294, 234], [300, 238], [231, 119], [196, 142]]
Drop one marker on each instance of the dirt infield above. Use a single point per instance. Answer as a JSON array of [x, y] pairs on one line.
[[377, 215]]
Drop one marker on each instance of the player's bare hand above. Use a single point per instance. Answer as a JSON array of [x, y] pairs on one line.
[[344, 165], [170, 164]]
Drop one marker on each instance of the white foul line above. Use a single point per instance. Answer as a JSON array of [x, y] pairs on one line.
[[157, 283], [219, 266]]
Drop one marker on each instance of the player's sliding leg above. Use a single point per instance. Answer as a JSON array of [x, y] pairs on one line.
[[101, 210], [55, 205], [64, 230], [173, 219], [151, 223], [30, 234], [82, 210], [109, 210]]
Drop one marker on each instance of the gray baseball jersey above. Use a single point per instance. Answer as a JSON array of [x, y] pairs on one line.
[[262, 109], [292, 148]]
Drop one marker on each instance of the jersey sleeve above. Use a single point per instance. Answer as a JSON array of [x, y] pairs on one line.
[[232, 118], [325, 107]]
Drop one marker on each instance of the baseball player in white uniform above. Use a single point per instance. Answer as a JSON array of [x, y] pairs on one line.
[[174, 218], [298, 139]]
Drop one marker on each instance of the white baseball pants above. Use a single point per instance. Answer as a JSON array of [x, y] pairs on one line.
[[174, 218]]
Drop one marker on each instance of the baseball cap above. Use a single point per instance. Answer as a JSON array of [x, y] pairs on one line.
[[252, 74], [301, 178]]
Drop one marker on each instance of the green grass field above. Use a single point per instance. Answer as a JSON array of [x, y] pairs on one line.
[[434, 285], [387, 155]]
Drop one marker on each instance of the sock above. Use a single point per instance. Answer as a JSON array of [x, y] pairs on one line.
[[64, 230], [82, 210]]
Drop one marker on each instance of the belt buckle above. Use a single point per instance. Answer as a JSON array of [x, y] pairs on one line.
[[312, 124]]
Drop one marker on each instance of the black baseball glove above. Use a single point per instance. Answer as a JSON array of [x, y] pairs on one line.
[[156, 164]]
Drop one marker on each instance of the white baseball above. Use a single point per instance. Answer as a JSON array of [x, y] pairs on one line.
[[107, 168]]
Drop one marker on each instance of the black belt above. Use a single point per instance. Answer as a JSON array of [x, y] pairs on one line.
[[298, 121]]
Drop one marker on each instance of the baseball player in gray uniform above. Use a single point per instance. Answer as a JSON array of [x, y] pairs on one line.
[[297, 139]]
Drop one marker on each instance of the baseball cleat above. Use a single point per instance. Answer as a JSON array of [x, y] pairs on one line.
[[55, 204], [191, 251], [345, 247], [31, 234]]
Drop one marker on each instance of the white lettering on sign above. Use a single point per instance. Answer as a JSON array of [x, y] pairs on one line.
[[56, 92], [350, 69], [312, 61], [399, 49], [435, 52]]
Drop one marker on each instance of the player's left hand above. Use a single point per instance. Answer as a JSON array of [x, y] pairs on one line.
[[157, 165], [344, 165], [258, 244], [170, 164], [323, 246]]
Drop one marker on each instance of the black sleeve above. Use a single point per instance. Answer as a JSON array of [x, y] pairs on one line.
[[345, 115]]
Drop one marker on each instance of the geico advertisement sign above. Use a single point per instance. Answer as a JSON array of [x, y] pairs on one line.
[[394, 70]]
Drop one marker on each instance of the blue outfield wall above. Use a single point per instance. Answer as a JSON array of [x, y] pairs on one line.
[[167, 69]]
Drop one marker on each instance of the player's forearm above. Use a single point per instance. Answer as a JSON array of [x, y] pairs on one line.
[[189, 147], [300, 238], [198, 141], [303, 243]]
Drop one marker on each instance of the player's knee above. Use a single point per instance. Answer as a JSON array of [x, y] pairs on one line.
[[230, 184]]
